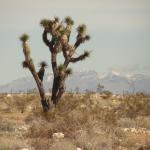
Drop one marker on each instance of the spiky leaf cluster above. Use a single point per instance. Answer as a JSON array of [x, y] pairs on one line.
[[86, 54], [68, 71], [43, 64], [61, 29], [69, 21], [47, 24], [24, 37], [87, 37], [81, 29], [61, 67], [56, 19], [24, 64]]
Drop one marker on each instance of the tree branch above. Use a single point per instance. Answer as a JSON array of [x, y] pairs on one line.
[[45, 39], [80, 58], [28, 63], [80, 40]]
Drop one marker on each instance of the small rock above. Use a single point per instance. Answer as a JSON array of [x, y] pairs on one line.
[[58, 135], [23, 128], [82, 106], [133, 130], [126, 129], [9, 95], [114, 95], [31, 108]]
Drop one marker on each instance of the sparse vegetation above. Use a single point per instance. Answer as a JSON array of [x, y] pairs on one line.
[[134, 105], [89, 122]]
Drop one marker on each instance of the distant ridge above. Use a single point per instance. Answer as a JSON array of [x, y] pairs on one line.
[[112, 81]]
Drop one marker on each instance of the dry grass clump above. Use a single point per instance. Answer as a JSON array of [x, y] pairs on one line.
[[7, 126], [64, 144], [143, 122], [39, 143], [91, 141], [50, 144], [127, 123], [17, 102]]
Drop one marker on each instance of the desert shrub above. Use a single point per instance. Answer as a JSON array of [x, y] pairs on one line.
[[40, 128], [107, 94], [106, 115], [93, 141], [18, 102], [6, 125], [143, 122], [134, 105], [64, 144], [21, 102], [40, 143], [126, 123]]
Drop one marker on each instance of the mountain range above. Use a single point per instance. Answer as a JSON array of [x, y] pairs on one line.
[[86, 80]]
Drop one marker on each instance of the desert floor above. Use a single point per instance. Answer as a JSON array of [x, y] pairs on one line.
[[79, 122]]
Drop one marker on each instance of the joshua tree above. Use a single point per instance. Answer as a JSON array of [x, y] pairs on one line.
[[77, 90], [58, 42], [100, 88]]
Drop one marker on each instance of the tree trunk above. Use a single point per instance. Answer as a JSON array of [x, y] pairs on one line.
[[44, 101], [58, 89]]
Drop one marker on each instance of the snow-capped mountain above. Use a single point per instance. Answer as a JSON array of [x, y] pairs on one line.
[[113, 81]]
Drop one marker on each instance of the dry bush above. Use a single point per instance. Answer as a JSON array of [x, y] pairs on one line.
[[143, 121], [127, 123], [135, 105], [106, 115], [106, 94], [18, 102], [21, 102], [40, 143], [7, 126], [64, 144], [87, 141]]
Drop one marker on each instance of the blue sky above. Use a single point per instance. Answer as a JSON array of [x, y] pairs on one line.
[[120, 31]]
